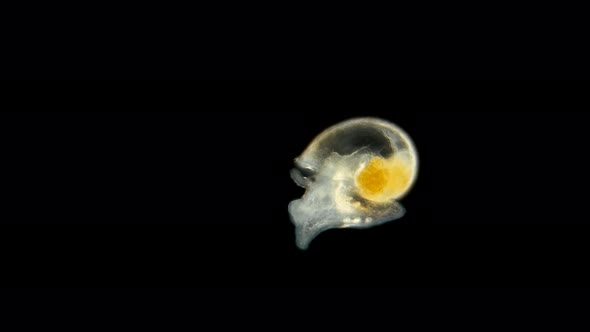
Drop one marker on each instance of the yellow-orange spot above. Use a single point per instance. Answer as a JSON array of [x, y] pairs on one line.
[[373, 178], [384, 179]]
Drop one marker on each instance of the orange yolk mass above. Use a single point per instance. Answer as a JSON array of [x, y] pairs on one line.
[[384, 179]]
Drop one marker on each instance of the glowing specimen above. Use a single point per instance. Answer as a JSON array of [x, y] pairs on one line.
[[354, 173]]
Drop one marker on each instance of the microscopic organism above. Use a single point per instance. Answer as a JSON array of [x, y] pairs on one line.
[[354, 174]]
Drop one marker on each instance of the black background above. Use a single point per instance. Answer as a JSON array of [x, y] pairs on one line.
[[249, 41], [188, 185]]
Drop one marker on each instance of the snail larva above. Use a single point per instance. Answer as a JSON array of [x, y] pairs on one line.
[[355, 173]]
